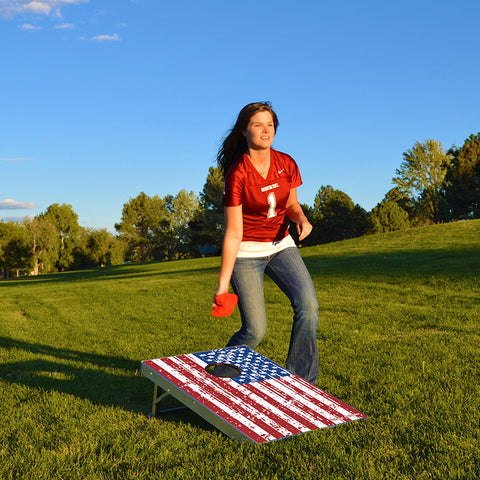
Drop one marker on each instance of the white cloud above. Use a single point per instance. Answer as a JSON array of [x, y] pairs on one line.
[[9, 204], [106, 38], [38, 7], [10, 8], [28, 26], [65, 26]]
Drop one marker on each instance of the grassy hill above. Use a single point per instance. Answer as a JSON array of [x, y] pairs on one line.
[[398, 339]]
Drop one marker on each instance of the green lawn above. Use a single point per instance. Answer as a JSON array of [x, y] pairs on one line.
[[398, 338]]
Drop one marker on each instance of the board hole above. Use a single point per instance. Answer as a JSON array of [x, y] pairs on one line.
[[223, 370]]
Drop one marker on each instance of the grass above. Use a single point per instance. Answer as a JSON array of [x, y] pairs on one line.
[[398, 339]]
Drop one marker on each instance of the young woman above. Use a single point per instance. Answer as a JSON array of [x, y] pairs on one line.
[[260, 195]]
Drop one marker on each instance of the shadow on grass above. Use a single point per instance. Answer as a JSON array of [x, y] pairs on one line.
[[102, 379], [459, 262], [111, 273]]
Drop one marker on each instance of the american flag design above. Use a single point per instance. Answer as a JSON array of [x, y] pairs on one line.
[[264, 402]]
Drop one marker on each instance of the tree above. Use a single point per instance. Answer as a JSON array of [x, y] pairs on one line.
[[421, 177], [362, 224], [461, 191], [207, 227], [388, 216], [174, 236], [326, 201], [335, 217], [43, 243], [401, 199], [143, 218], [98, 248], [15, 252], [68, 229], [105, 249]]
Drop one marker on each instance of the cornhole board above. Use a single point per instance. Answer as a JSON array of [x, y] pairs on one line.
[[261, 403]]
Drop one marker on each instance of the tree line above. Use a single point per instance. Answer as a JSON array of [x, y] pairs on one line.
[[432, 185]]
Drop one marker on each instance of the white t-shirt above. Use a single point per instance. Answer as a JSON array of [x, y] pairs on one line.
[[264, 249]]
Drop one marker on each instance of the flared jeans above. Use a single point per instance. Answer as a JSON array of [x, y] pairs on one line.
[[287, 269]]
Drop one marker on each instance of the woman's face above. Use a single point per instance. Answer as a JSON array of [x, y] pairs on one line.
[[260, 131]]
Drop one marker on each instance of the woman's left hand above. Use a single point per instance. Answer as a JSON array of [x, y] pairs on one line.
[[295, 213], [304, 228]]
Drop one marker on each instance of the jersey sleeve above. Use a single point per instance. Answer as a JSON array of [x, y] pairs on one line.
[[233, 189], [294, 171]]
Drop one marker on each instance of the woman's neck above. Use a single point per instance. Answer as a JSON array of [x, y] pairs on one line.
[[259, 157]]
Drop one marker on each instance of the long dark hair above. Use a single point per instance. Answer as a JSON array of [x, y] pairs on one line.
[[234, 145]]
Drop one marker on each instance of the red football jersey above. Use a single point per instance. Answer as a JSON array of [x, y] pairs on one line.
[[263, 200]]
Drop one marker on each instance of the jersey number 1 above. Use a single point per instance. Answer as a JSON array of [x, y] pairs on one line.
[[272, 205]]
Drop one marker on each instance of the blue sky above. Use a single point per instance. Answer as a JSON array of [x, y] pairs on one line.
[[103, 99]]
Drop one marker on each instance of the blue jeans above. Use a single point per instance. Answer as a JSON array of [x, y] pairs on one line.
[[287, 270]]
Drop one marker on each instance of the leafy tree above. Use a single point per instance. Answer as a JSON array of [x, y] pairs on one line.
[[105, 248], [421, 177], [207, 227], [175, 235], [98, 248], [15, 252], [461, 192], [66, 224], [81, 252], [143, 218], [388, 216], [43, 243]]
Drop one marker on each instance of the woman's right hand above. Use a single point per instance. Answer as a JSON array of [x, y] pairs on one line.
[[220, 291]]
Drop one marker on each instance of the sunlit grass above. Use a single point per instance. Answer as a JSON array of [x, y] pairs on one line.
[[398, 339]]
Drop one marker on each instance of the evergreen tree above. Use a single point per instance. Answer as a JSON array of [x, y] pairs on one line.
[[388, 216], [461, 190], [334, 217], [208, 225]]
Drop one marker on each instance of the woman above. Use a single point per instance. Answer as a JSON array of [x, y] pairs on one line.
[[260, 195]]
